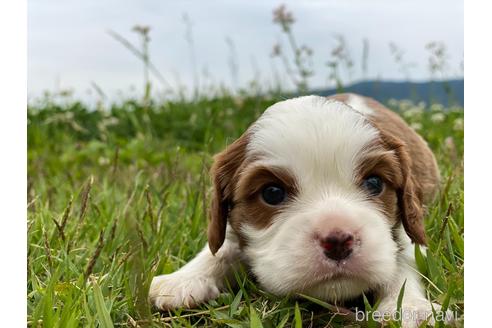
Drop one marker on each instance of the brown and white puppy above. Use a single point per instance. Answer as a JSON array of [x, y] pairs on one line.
[[320, 196]]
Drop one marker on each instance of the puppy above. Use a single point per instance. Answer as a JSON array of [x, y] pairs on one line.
[[320, 196]]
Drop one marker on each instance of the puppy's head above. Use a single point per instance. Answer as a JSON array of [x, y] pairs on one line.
[[318, 196]]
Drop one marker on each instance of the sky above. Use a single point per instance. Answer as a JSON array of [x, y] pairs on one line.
[[69, 46]]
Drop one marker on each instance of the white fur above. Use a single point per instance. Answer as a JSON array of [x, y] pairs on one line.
[[320, 142], [359, 104], [287, 259], [312, 133], [199, 280]]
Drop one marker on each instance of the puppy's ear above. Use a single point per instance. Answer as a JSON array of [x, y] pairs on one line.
[[224, 175], [410, 195]]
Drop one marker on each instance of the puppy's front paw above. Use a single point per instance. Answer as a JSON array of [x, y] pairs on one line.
[[414, 312], [177, 290]]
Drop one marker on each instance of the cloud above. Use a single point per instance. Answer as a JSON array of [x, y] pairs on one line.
[[68, 40]]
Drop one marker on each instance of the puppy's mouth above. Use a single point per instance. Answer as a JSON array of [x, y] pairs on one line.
[[336, 286], [339, 274], [344, 270]]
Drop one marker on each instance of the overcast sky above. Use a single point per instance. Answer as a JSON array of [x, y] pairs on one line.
[[69, 45]]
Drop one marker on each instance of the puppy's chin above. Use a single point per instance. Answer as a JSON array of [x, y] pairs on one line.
[[287, 257], [338, 289]]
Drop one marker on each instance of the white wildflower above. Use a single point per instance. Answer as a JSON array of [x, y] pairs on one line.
[[103, 160], [393, 102], [438, 117], [437, 108], [458, 124], [416, 126], [111, 121], [405, 105], [413, 112]]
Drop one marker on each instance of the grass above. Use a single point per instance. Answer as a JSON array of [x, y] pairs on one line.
[[116, 196]]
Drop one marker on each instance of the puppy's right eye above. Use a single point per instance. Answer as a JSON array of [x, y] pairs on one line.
[[373, 184], [273, 194]]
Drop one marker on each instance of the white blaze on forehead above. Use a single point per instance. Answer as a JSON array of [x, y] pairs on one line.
[[359, 104], [317, 139]]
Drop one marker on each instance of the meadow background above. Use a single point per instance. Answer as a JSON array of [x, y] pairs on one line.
[[118, 190]]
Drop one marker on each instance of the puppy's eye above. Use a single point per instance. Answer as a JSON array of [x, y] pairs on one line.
[[273, 194], [373, 184]]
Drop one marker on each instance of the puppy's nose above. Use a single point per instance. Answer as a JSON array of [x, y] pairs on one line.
[[338, 245]]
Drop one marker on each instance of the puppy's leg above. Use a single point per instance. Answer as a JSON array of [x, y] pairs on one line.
[[415, 306], [199, 280]]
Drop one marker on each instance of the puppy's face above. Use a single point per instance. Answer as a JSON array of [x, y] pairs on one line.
[[317, 196]]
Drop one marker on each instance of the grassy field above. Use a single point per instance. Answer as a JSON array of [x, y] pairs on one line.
[[117, 195]]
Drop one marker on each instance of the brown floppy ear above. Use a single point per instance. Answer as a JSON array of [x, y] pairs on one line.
[[410, 195], [224, 175]]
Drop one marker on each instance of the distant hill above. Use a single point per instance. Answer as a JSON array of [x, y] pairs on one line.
[[449, 92]]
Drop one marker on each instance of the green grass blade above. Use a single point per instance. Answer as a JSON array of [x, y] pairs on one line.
[[254, 320], [399, 302], [102, 312], [297, 316]]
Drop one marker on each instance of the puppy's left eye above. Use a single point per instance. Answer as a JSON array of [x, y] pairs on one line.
[[373, 184], [273, 194]]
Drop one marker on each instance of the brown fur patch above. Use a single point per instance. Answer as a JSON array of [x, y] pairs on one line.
[[401, 158], [417, 164], [224, 173], [383, 163], [422, 162], [249, 207]]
